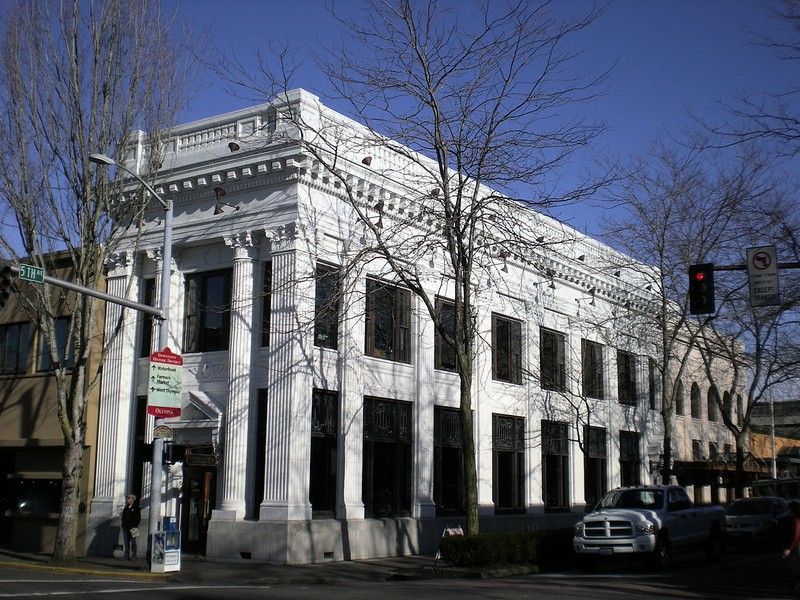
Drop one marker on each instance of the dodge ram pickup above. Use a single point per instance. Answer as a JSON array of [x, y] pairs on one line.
[[649, 520]]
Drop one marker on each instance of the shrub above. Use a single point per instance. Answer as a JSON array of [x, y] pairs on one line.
[[518, 547]]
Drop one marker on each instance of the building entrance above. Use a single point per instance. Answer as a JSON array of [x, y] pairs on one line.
[[199, 491]]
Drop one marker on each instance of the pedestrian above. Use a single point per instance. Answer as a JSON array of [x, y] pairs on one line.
[[792, 552], [131, 516]]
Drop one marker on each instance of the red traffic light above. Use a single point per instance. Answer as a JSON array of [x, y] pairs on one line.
[[701, 289], [699, 276]]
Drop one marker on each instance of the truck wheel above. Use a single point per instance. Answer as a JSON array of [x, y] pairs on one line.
[[714, 546], [662, 555]]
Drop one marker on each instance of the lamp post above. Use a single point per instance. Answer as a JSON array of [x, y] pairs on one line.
[[163, 331]]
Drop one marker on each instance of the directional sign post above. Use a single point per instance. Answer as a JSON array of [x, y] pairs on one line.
[[762, 274], [164, 384]]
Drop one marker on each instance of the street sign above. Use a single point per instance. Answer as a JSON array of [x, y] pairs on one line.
[[31, 273], [762, 274], [164, 384]]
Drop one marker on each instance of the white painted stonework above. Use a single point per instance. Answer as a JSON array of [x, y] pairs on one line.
[[291, 212]]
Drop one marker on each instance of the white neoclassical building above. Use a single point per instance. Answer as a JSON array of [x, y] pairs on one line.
[[319, 415]]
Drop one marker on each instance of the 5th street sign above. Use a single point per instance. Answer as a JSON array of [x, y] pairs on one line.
[[31, 273], [164, 384]]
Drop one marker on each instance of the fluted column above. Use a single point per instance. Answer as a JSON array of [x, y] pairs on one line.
[[424, 505], [351, 398], [288, 418], [237, 412], [482, 408], [116, 392]]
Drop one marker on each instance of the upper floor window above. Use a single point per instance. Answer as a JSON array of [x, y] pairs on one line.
[[208, 298], [713, 403], [326, 304], [506, 349], [145, 319], [652, 383], [626, 377], [14, 347], [388, 321], [64, 349], [552, 361], [444, 355], [680, 400], [697, 410], [592, 363]]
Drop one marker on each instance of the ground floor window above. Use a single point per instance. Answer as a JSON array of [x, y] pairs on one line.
[[595, 464], [629, 458], [508, 463], [555, 464], [322, 484], [448, 464], [386, 488]]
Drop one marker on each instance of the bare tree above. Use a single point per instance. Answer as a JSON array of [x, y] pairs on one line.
[[685, 206], [75, 78], [468, 113]]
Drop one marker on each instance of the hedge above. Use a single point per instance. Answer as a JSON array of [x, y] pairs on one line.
[[507, 548]]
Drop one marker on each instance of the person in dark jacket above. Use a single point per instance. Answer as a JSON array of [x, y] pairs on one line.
[[131, 516]]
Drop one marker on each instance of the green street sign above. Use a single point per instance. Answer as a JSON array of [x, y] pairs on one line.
[[31, 273]]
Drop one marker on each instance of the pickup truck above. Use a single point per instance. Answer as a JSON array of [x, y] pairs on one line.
[[649, 520]]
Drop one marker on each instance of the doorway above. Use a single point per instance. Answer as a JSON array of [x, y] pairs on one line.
[[199, 491]]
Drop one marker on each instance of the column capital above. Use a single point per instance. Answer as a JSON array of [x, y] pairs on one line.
[[284, 238], [118, 264], [243, 243]]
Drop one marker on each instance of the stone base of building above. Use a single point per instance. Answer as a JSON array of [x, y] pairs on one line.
[[325, 540]]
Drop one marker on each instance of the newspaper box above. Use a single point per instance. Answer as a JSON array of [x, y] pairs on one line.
[[166, 554]]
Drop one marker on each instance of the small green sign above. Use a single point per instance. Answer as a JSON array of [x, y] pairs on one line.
[[31, 273]]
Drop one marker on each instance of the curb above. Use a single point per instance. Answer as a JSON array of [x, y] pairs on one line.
[[77, 570]]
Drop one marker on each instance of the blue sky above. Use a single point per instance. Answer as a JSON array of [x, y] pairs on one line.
[[672, 57]]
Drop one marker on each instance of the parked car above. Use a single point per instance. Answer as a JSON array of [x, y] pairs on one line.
[[766, 519], [652, 521]]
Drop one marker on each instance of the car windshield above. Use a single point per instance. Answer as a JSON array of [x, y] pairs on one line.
[[632, 499], [751, 507]]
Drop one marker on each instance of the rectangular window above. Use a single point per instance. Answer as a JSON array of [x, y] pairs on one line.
[[506, 349], [64, 348], [697, 451], [388, 322], [592, 366], [508, 463], [652, 383], [145, 319], [266, 304], [555, 463], [444, 354], [326, 303], [626, 377], [552, 360], [208, 303], [448, 464], [14, 348], [260, 451], [629, 458], [386, 480], [595, 464], [324, 428]]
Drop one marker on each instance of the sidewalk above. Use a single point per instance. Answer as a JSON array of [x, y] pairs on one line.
[[199, 569]]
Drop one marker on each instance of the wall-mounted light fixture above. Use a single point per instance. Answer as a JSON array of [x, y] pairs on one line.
[[233, 146], [367, 160], [218, 210]]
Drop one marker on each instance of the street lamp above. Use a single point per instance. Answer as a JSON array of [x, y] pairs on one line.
[[163, 330]]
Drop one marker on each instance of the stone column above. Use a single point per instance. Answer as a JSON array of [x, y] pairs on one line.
[[290, 382], [351, 398], [481, 405], [116, 394], [237, 412], [424, 505]]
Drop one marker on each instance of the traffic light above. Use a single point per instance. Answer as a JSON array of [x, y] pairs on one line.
[[701, 289], [5, 285]]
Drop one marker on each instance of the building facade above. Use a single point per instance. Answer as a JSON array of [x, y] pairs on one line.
[[319, 407], [31, 441]]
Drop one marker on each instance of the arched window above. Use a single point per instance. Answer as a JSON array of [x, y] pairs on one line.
[[680, 399], [697, 409], [713, 403], [727, 405]]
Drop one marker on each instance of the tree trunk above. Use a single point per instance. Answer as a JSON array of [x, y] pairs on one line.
[[72, 471], [468, 447]]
